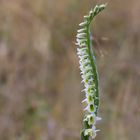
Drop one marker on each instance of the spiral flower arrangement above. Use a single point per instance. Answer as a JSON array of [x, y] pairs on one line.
[[89, 74]]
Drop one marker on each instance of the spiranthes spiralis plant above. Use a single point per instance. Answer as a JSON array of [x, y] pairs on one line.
[[89, 74]]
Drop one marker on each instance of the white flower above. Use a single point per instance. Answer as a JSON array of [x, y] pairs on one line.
[[82, 30], [90, 108], [92, 132], [83, 23], [91, 119]]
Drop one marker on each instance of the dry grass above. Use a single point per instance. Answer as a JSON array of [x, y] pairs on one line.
[[39, 76]]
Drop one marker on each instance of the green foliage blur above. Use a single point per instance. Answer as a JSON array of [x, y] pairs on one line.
[[40, 89]]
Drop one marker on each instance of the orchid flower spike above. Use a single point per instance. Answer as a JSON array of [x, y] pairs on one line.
[[89, 74]]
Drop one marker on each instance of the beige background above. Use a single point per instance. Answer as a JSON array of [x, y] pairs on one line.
[[40, 86]]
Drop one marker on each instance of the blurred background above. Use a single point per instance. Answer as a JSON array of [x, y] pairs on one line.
[[40, 85]]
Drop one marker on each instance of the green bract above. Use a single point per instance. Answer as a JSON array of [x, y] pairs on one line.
[[89, 74]]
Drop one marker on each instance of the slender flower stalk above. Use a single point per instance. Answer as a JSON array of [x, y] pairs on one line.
[[89, 74]]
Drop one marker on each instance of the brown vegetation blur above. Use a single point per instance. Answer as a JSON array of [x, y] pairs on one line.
[[40, 85]]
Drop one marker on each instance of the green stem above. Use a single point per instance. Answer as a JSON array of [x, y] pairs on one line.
[[93, 64], [92, 58]]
